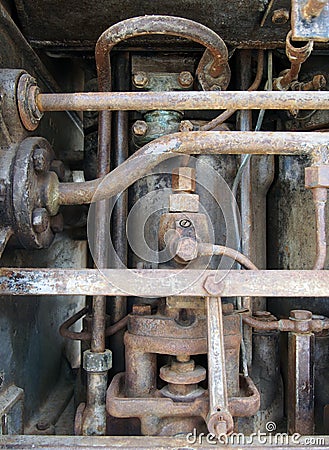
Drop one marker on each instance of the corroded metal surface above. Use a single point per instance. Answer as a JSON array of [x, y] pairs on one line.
[[260, 283], [309, 20], [178, 101]]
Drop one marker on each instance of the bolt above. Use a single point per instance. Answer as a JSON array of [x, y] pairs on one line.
[[41, 161], [185, 223], [301, 314], [185, 79], [280, 16], [186, 125], [139, 128], [140, 79], [40, 220]]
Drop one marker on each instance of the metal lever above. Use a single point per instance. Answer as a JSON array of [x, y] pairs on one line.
[[219, 420]]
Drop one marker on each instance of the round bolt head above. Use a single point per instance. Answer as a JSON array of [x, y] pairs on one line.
[[41, 161], [280, 16], [301, 314], [185, 79], [139, 128], [140, 79], [40, 220]]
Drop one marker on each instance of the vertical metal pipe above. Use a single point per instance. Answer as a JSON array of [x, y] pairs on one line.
[[245, 124], [95, 414], [117, 307]]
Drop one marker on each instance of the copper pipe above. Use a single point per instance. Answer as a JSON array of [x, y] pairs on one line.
[[86, 335], [182, 100], [229, 112], [320, 201], [220, 250], [194, 142]]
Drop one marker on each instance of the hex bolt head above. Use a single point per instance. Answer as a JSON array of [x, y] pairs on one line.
[[41, 161], [43, 425], [139, 128], [140, 79], [40, 220], [280, 16], [185, 79], [301, 314]]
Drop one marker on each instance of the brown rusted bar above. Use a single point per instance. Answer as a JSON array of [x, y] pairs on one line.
[[221, 250], [194, 142], [313, 8], [160, 282], [320, 201], [185, 100]]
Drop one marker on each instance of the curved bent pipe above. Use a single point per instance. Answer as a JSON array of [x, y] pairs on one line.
[[194, 142]]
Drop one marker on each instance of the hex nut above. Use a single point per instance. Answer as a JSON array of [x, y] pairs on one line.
[[280, 16], [301, 314], [97, 362], [140, 128], [187, 249], [140, 79], [183, 179], [185, 79], [317, 176], [40, 220]]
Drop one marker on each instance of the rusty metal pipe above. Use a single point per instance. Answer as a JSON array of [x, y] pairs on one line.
[[320, 200], [154, 283], [163, 25], [229, 112], [86, 335], [185, 100], [195, 142], [220, 250]]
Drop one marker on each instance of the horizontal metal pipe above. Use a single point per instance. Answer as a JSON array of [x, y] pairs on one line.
[[178, 101], [195, 142], [163, 283]]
